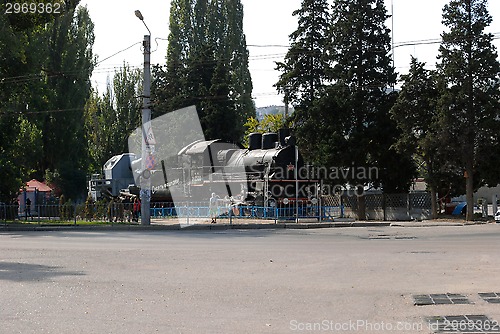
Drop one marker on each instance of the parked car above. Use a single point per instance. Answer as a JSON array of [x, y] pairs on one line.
[[497, 216]]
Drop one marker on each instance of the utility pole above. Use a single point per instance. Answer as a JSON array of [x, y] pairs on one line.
[[147, 148], [296, 175], [286, 104]]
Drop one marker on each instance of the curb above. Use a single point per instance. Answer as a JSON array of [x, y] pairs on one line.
[[224, 227]]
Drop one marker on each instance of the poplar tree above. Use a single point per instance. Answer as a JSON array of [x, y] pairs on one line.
[[112, 116], [207, 65], [46, 62], [470, 105], [68, 69], [169, 87]]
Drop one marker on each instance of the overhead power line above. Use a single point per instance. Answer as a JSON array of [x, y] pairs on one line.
[[116, 53]]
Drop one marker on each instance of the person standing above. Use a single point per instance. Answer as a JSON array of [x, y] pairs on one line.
[[28, 207], [137, 209], [212, 208]]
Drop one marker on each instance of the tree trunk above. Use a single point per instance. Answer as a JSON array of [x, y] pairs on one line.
[[469, 191], [434, 205], [469, 162], [361, 203]]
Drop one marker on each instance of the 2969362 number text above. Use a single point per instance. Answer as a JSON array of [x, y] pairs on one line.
[[32, 8]]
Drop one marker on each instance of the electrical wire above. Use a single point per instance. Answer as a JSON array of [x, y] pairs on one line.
[[113, 69], [117, 53]]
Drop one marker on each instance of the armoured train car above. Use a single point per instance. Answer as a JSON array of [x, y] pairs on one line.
[[117, 176]]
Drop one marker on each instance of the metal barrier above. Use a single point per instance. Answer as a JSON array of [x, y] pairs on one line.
[[116, 212], [282, 212]]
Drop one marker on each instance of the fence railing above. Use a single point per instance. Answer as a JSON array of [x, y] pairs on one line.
[[323, 213], [123, 212], [376, 207], [389, 207]]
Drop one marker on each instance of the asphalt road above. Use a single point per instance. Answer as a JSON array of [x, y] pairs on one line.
[[359, 280]]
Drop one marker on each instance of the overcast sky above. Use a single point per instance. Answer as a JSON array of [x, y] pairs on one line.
[[266, 22]]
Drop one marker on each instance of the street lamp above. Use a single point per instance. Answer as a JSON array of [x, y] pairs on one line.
[[147, 147], [139, 15]]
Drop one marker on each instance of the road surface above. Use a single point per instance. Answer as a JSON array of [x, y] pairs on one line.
[[357, 280]]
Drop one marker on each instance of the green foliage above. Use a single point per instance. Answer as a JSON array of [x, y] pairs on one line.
[[89, 208], [304, 70], [342, 116], [470, 103], [416, 113], [45, 64], [207, 65], [270, 123], [111, 117], [28, 21], [20, 146]]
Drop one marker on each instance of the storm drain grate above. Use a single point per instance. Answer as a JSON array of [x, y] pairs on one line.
[[463, 324], [491, 297], [440, 299], [389, 237]]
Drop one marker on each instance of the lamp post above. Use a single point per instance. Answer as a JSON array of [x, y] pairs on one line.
[[146, 148]]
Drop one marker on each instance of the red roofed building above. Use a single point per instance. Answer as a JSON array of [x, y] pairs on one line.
[[35, 185], [37, 192]]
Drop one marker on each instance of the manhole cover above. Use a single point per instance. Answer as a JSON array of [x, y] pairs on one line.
[[422, 252], [379, 237], [463, 324], [440, 299], [387, 237], [491, 297]]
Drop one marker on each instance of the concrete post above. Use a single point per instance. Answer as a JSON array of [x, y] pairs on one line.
[[146, 148], [494, 205]]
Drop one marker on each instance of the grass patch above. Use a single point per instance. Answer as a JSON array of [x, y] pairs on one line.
[[48, 222]]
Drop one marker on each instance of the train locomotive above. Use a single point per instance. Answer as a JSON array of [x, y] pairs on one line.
[[266, 173]]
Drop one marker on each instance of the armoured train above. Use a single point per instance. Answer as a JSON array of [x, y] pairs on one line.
[[269, 171]]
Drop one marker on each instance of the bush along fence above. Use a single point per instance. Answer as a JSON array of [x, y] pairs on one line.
[[385, 207], [388, 207]]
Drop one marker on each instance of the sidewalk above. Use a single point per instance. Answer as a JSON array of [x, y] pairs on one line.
[[241, 224]]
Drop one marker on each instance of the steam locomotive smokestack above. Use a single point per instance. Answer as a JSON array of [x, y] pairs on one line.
[[269, 140], [255, 141]]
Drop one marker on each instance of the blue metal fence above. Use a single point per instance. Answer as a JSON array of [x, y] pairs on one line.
[[123, 213], [323, 213]]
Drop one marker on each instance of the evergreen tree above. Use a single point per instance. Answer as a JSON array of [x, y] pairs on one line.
[[349, 125], [416, 115], [305, 66], [470, 106]]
